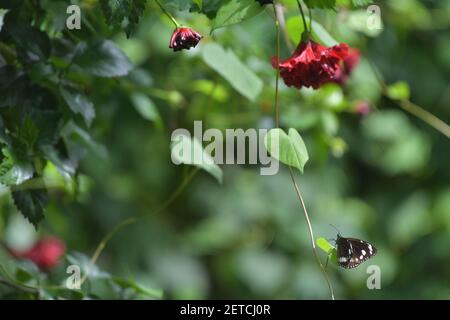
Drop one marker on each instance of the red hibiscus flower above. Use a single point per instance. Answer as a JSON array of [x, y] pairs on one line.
[[184, 38], [313, 65], [349, 57], [45, 253]]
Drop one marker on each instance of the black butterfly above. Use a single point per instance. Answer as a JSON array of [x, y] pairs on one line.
[[352, 252]]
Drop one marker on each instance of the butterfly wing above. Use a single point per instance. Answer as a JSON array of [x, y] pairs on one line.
[[352, 252]]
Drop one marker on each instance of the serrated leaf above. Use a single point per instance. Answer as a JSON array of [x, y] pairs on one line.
[[102, 58], [188, 150], [236, 11], [31, 203], [79, 103], [287, 148], [233, 70], [12, 173], [123, 13]]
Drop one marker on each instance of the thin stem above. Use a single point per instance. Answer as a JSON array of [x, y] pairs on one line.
[[303, 15], [101, 246], [177, 192], [277, 26], [413, 108], [311, 234], [425, 116], [310, 19], [296, 187], [167, 13]]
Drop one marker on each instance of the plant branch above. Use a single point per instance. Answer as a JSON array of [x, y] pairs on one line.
[[413, 108]]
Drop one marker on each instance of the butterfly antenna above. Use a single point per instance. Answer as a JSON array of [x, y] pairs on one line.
[[336, 229]]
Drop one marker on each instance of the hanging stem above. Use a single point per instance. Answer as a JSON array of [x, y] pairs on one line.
[[311, 233], [277, 26], [296, 187], [167, 13], [310, 19], [303, 15]]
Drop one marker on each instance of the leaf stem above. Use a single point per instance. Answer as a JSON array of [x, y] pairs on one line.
[[167, 13]]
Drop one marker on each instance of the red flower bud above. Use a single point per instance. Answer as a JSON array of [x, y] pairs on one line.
[[362, 108], [45, 253], [184, 38]]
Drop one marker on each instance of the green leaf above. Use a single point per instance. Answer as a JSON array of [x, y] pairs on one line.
[[123, 13], [289, 149], [146, 108], [208, 7], [31, 203], [233, 70], [2, 16], [323, 4], [129, 284], [79, 103], [102, 58], [13, 173], [398, 91], [295, 29], [331, 252], [236, 11], [190, 151], [180, 5], [353, 3]]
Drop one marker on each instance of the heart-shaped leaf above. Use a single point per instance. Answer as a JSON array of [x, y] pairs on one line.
[[287, 148]]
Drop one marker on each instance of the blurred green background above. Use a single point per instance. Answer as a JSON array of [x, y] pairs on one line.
[[382, 177]]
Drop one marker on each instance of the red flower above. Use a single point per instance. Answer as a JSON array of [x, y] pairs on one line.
[[349, 57], [184, 38], [312, 65], [45, 253]]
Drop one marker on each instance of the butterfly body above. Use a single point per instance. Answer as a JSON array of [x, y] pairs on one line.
[[351, 252]]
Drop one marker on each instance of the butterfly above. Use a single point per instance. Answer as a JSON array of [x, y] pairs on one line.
[[351, 252]]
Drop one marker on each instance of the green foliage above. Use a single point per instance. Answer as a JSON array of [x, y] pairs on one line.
[[85, 138], [188, 150], [398, 91], [31, 203], [124, 14], [103, 59], [228, 65], [323, 4], [295, 29], [288, 148], [331, 252], [236, 11]]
